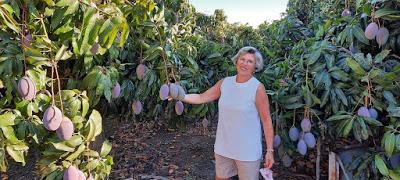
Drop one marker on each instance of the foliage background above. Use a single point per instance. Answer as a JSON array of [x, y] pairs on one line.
[[319, 64]]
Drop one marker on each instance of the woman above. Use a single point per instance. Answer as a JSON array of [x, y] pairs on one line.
[[242, 104]]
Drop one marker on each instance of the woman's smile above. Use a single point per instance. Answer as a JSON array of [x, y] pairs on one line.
[[246, 64]]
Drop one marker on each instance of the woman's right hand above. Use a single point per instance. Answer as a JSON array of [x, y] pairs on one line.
[[269, 159]]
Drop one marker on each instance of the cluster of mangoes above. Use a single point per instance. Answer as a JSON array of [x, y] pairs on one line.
[[53, 119], [364, 111], [306, 139], [174, 91], [373, 31]]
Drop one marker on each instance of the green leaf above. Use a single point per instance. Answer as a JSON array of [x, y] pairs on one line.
[[153, 53], [16, 8], [389, 144], [307, 96], [325, 97], [54, 175], [91, 165], [7, 119], [75, 45], [214, 55], [29, 109], [74, 155], [124, 34], [3, 166], [294, 106], [93, 33], [18, 156], [91, 153], [315, 98], [334, 103], [88, 16], [341, 95], [9, 133], [375, 73], [193, 63], [89, 131], [63, 3], [8, 18], [364, 130], [61, 52], [394, 175], [34, 56], [380, 164], [357, 132], [348, 127], [314, 56], [105, 31], [389, 97], [57, 17], [318, 78], [8, 8], [327, 80], [373, 122], [93, 126], [96, 118], [339, 117], [85, 107], [290, 99], [34, 131], [66, 27], [397, 144], [112, 36], [355, 67], [385, 11], [364, 62], [91, 28], [105, 148], [74, 106], [63, 147], [91, 79], [340, 127], [394, 111], [75, 140], [359, 34], [72, 7], [382, 55], [21, 131], [339, 75]]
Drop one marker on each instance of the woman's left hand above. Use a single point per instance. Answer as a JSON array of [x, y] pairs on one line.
[[269, 160]]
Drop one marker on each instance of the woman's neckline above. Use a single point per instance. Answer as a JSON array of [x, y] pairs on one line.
[[242, 82]]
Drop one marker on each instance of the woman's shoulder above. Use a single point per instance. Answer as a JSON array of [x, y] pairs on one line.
[[228, 78], [257, 82]]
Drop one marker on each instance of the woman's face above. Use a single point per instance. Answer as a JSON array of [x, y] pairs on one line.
[[246, 64]]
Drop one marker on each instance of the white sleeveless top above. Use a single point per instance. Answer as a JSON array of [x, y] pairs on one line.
[[239, 126]]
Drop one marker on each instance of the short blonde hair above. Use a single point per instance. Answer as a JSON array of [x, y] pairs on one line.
[[250, 50]]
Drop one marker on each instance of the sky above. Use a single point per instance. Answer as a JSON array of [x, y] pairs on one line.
[[253, 12]]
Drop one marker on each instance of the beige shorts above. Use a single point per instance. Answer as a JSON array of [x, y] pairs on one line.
[[226, 167]]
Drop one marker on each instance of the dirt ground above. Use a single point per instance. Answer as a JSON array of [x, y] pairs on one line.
[[150, 150], [153, 150]]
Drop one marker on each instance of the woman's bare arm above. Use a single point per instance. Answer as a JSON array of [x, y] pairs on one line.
[[262, 104], [210, 95]]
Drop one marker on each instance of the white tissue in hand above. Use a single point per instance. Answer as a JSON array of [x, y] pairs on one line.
[[266, 173]]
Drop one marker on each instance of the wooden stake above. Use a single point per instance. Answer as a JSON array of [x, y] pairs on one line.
[[317, 169], [332, 173]]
